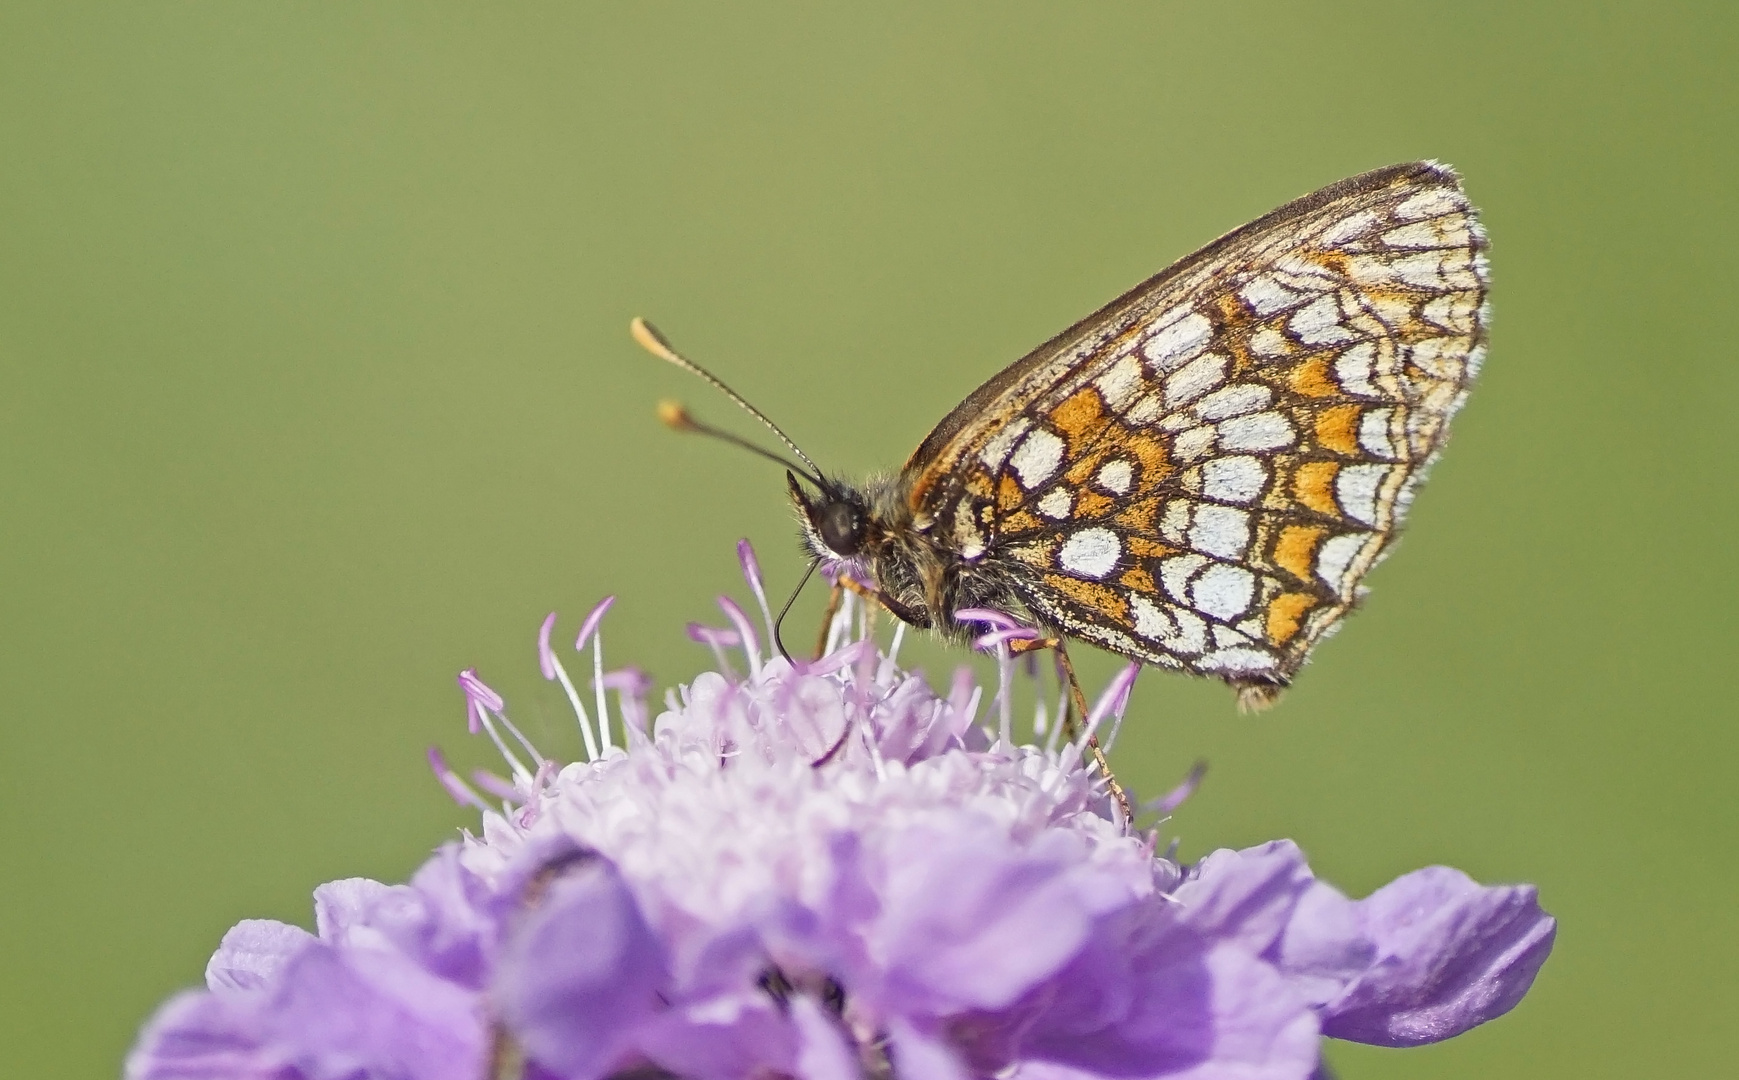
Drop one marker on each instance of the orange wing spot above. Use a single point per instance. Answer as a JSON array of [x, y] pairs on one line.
[[1138, 579], [1091, 504], [1150, 452], [1092, 596], [1040, 554], [1286, 615], [1081, 413], [1143, 548], [1338, 429], [1142, 517], [1020, 522], [1296, 551], [1311, 378], [1313, 483], [1008, 493], [978, 482]]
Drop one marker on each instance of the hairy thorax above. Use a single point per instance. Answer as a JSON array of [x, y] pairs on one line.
[[919, 579]]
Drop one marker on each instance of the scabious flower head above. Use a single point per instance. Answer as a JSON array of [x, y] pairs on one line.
[[830, 871]]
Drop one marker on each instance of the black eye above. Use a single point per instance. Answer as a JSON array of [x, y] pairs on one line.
[[840, 528]]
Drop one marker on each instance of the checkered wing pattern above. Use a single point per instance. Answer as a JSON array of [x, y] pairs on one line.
[[1200, 474]]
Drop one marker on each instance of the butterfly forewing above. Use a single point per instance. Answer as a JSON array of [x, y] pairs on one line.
[[1199, 474]]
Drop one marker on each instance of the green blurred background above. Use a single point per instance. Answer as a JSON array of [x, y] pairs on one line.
[[315, 387]]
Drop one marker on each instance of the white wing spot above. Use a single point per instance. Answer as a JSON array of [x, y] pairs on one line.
[[1178, 631], [1352, 369], [1091, 553], [1348, 228], [1120, 383], [995, 451], [1057, 503], [1116, 476], [1454, 313], [1174, 574], [1225, 636], [1334, 558], [1423, 234], [1196, 442], [1267, 295], [1237, 661], [1234, 400], [1224, 591], [1374, 433], [1174, 526], [1195, 380], [1319, 323], [1233, 479], [1178, 342], [1221, 531], [1145, 411], [1269, 342], [1263, 431], [1356, 488], [1430, 203], [1037, 458]]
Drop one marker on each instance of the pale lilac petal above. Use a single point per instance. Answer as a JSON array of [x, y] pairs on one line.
[[1450, 954], [1323, 948], [822, 1050], [923, 1053], [580, 972], [966, 920], [1246, 895], [377, 1012], [724, 1038], [253, 952], [343, 906], [200, 1036], [1150, 997]]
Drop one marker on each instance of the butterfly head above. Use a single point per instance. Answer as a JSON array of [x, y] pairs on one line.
[[836, 520]]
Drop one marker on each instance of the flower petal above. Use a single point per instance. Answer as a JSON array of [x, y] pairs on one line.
[[374, 1012], [253, 952], [199, 1035], [580, 972], [725, 1038], [1152, 998], [1450, 954], [1246, 895]]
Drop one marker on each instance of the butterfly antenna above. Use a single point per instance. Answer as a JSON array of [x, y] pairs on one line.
[[675, 416]]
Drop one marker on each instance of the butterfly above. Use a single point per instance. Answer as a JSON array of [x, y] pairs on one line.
[[1200, 474]]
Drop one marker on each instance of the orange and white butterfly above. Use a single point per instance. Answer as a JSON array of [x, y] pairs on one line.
[[1199, 474]]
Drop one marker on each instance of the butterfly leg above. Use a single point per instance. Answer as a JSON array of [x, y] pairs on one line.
[[1078, 705], [835, 597]]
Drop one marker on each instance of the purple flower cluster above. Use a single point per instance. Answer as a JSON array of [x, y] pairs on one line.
[[828, 871]]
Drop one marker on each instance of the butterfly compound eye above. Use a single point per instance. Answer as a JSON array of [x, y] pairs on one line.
[[840, 527]]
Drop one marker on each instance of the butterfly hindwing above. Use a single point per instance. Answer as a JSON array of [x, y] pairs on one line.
[[1199, 474]]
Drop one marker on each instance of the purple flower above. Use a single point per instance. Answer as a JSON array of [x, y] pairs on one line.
[[828, 871]]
